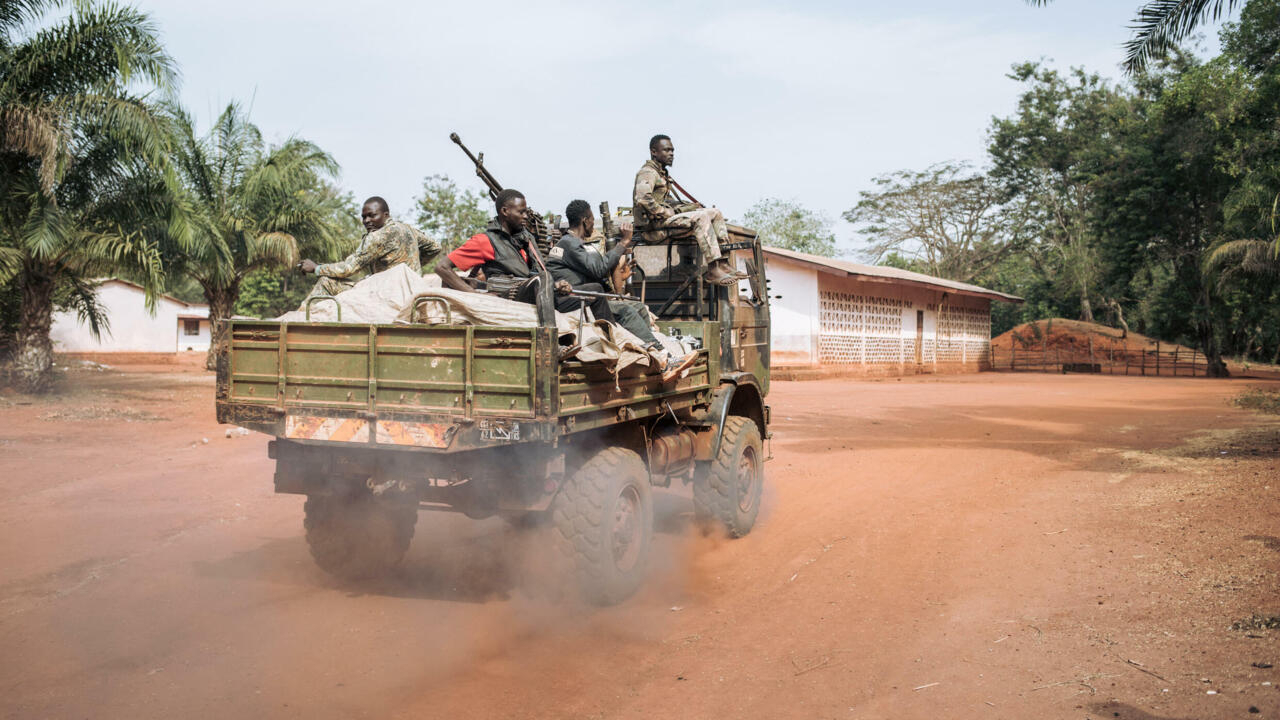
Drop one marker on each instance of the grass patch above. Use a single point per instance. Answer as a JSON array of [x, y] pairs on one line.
[[1262, 400], [1257, 622]]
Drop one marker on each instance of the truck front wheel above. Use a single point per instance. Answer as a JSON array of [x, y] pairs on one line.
[[603, 520], [357, 537], [727, 492]]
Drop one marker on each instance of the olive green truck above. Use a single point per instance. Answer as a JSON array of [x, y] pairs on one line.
[[376, 422]]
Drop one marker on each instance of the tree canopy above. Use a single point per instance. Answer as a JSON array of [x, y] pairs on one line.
[[788, 224]]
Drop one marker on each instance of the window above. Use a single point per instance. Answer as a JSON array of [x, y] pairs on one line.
[[190, 327]]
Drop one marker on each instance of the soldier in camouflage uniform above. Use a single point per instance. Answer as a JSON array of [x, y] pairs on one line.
[[386, 243], [658, 211]]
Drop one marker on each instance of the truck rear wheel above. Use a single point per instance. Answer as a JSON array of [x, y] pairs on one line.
[[728, 491], [603, 521], [358, 537]]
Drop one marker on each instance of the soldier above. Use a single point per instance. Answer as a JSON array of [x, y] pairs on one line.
[[657, 210], [585, 267], [500, 253], [386, 243]]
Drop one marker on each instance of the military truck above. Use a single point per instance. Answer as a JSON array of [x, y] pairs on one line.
[[374, 423]]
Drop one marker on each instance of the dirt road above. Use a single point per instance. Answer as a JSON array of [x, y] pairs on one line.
[[990, 546]]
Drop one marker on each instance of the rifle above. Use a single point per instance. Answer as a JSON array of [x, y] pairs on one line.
[[533, 222], [607, 296]]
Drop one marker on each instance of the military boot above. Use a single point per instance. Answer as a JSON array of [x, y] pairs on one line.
[[720, 273]]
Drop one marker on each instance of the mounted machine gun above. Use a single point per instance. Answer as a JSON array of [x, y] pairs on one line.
[[542, 232]]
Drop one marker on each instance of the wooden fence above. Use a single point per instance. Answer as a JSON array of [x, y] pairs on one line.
[[1105, 359]]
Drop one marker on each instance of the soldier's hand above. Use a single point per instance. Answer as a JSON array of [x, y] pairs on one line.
[[563, 287], [307, 266], [627, 234]]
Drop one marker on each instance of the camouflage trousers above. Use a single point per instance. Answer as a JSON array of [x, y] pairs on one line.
[[708, 229], [330, 286]]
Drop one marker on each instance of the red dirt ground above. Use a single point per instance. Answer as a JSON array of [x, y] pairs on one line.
[[990, 546]]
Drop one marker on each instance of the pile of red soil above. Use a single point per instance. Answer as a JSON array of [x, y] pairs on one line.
[[1074, 339], [1076, 336]]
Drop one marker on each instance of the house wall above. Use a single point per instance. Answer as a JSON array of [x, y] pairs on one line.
[[793, 312], [132, 328], [824, 321]]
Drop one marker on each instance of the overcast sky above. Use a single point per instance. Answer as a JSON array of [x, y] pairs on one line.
[[807, 101]]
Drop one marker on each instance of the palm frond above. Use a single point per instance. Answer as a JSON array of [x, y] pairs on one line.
[[14, 13], [1162, 24], [35, 130], [46, 230], [272, 248], [136, 127], [10, 263], [121, 250], [84, 300], [97, 46], [1247, 257]]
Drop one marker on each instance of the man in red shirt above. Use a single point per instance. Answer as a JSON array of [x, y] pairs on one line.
[[500, 251]]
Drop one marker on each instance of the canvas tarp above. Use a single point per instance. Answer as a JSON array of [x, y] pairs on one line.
[[396, 295]]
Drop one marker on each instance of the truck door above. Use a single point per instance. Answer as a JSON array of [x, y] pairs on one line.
[[749, 305]]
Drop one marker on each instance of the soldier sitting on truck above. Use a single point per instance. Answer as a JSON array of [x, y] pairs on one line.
[[386, 243], [584, 267], [500, 252], [659, 213]]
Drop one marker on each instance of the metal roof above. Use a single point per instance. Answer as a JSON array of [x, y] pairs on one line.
[[880, 273], [138, 287]]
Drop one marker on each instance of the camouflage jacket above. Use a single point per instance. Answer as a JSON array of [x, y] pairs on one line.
[[389, 245], [652, 198]]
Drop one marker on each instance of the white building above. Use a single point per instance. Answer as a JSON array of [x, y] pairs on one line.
[[840, 315], [176, 326]]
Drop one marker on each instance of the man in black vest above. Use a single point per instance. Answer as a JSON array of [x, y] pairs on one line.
[[500, 251]]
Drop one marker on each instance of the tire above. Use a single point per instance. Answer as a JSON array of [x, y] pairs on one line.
[[358, 537], [727, 491], [603, 523]]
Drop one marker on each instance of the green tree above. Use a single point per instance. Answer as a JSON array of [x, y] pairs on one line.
[[256, 207], [790, 225], [269, 292], [947, 217], [84, 184], [1048, 154], [449, 214]]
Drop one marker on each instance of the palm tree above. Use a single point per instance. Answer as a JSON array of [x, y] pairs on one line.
[[1161, 24], [83, 179], [254, 205]]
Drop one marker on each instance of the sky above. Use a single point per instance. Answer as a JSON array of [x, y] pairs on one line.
[[805, 101]]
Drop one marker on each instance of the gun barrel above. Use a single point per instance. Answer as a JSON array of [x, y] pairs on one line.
[[609, 296], [606, 222], [482, 172]]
